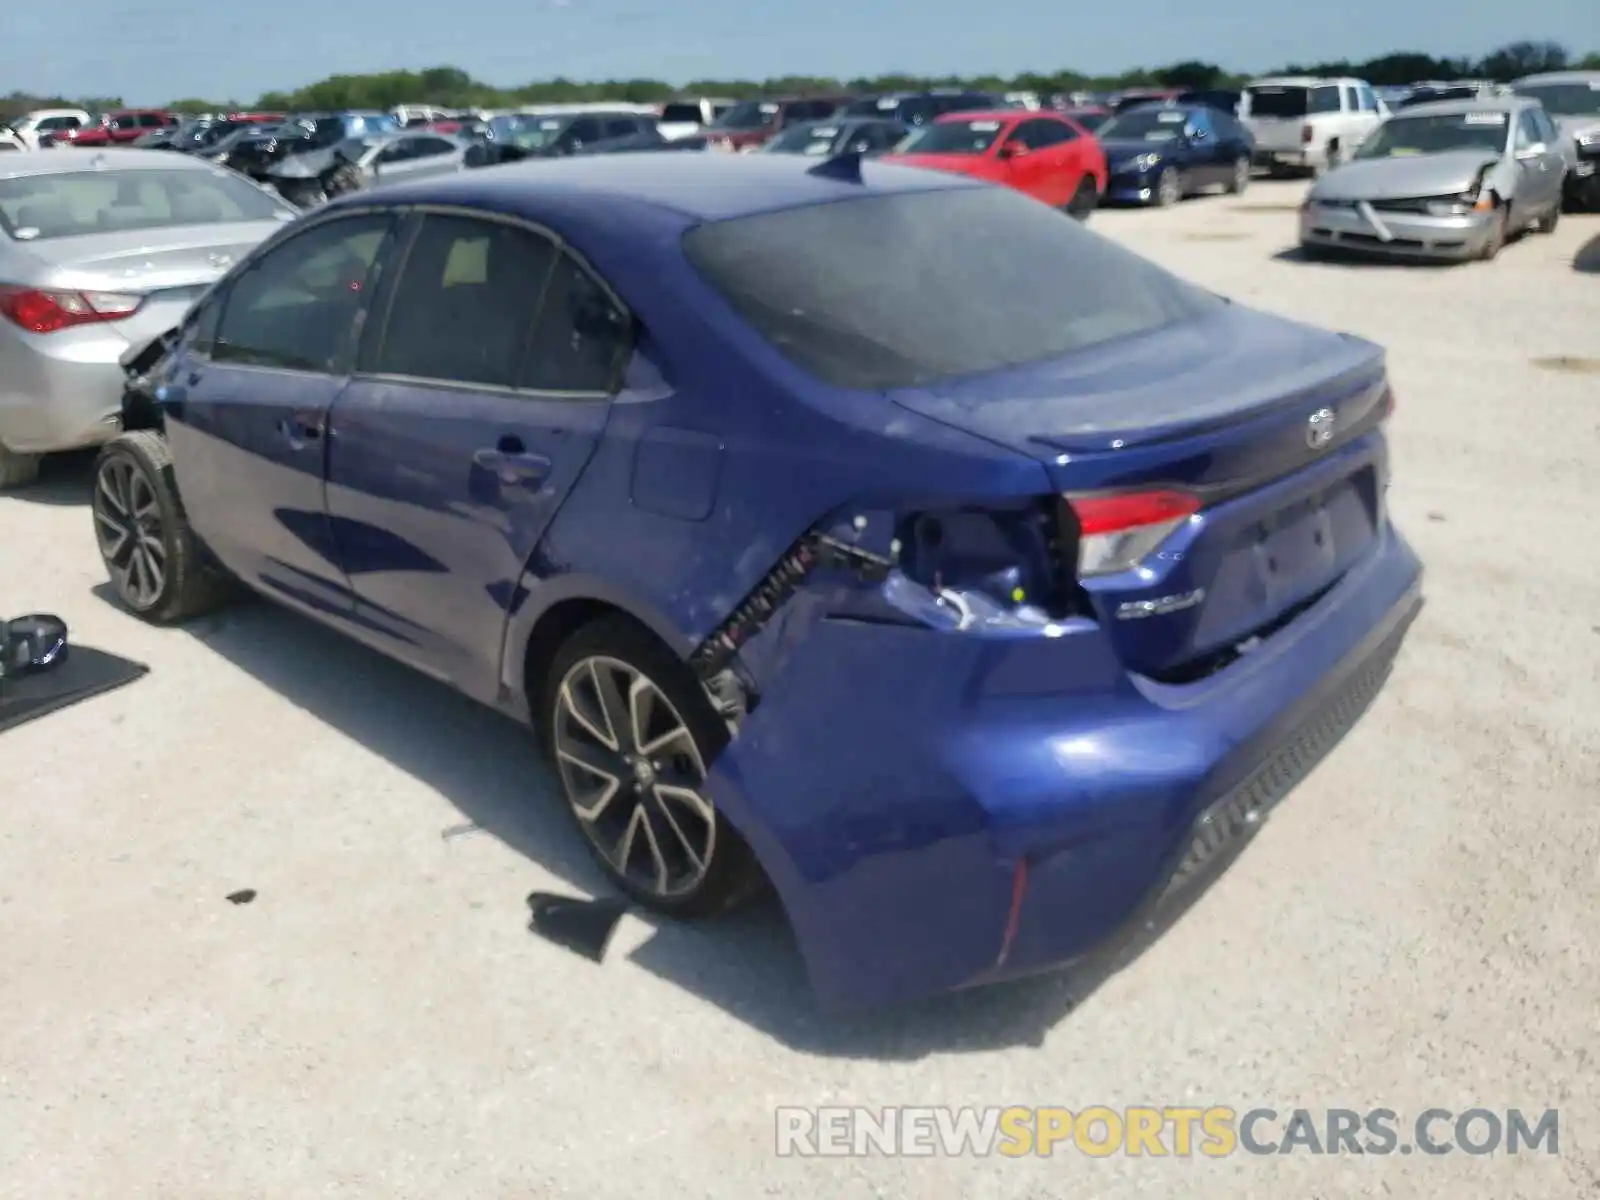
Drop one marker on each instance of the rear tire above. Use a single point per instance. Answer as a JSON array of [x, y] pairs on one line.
[[1548, 222], [1084, 200], [633, 771], [155, 563], [18, 470]]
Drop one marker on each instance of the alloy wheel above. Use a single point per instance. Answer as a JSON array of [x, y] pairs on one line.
[[634, 776], [128, 528], [1241, 175]]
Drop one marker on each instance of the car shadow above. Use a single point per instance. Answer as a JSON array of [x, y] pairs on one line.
[[746, 963], [64, 479], [1354, 258], [1587, 259]]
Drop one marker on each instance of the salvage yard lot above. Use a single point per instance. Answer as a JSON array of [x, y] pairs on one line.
[[1413, 929]]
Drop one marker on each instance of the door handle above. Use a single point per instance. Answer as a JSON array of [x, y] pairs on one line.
[[301, 428], [513, 466]]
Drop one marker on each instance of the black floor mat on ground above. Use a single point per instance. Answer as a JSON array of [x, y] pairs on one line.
[[85, 672]]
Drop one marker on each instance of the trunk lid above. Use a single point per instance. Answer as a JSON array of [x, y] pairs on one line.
[[171, 268], [1234, 409]]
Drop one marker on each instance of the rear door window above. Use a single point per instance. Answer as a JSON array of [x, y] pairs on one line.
[[906, 289], [1324, 99], [464, 304], [581, 337]]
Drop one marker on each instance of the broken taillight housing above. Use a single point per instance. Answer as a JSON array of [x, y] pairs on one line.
[[1008, 555], [38, 310], [1116, 531]]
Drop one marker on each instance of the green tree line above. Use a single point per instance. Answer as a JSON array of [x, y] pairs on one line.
[[455, 88]]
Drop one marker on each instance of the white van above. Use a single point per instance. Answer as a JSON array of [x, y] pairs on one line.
[[1307, 123]]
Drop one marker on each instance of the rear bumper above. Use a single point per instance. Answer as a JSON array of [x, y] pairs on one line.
[[1304, 158], [939, 810], [1402, 235], [61, 391]]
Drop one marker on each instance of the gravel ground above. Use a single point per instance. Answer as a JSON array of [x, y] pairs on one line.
[[1413, 929]]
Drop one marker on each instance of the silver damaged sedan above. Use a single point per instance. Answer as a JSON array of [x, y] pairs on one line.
[[100, 251], [1448, 181]]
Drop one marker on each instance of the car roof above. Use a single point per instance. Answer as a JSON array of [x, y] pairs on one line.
[[694, 187], [1560, 77], [991, 114], [1299, 81], [1455, 108], [112, 158]]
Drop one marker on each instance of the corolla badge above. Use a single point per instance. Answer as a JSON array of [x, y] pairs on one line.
[[1320, 428], [1137, 610]]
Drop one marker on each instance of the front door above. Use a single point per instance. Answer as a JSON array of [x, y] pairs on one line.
[[1537, 179], [475, 408], [248, 422]]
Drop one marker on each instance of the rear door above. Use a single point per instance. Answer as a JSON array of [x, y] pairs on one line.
[[478, 403], [248, 423], [1029, 171], [1056, 143]]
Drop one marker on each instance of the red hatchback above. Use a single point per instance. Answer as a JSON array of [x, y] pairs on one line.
[[1049, 157]]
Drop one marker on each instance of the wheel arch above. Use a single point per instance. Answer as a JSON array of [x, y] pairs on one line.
[[535, 630]]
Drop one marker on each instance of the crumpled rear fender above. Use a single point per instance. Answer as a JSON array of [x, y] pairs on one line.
[[861, 836]]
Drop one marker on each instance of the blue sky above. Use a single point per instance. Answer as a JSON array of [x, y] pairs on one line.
[[157, 50]]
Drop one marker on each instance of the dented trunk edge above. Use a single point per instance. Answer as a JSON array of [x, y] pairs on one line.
[[891, 778]]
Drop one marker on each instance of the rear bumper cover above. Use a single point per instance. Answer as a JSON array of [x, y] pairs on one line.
[[893, 779], [61, 391]]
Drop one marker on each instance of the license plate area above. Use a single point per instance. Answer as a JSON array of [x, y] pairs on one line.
[[1303, 546]]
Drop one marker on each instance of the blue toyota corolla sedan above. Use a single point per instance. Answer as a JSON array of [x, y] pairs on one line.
[[827, 529], [1159, 153]]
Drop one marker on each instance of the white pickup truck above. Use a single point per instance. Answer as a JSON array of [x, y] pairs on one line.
[[1310, 124]]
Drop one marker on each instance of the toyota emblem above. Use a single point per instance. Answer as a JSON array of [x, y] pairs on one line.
[[1319, 428]]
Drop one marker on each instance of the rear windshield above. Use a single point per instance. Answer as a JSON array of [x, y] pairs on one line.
[[681, 114], [906, 289], [1291, 101], [952, 137], [1565, 99], [38, 207]]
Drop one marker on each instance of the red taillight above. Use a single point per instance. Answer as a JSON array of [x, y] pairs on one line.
[[1306, 135], [1117, 531], [39, 311]]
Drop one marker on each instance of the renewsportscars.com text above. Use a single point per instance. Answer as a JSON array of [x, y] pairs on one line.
[[1158, 1132]]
